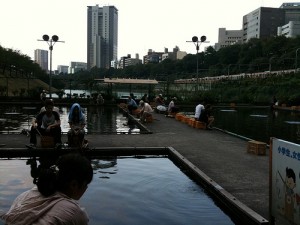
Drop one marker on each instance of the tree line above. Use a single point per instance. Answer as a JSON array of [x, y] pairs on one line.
[[257, 55]]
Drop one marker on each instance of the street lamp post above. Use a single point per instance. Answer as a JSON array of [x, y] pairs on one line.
[[51, 43], [296, 62], [197, 43]]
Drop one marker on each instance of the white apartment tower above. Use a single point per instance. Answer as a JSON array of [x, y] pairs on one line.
[[41, 58], [102, 36]]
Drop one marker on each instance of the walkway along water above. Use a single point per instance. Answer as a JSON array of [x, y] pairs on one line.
[[220, 156]]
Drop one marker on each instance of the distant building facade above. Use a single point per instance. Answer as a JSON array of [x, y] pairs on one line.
[[262, 23], [228, 37], [292, 11], [153, 57], [128, 61], [41, 58], [62, 69], [175, 55], [77, 66], [102, 36], [291, 28]]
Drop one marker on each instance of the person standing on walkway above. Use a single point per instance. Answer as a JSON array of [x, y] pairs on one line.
[[54, 199]]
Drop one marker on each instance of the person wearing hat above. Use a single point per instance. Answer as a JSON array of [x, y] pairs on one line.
[[172, 108], [146, 110], [159, 100]]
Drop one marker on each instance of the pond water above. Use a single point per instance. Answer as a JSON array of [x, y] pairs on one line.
[[254, 123], [258, 123], [13, 119], [130, 190]]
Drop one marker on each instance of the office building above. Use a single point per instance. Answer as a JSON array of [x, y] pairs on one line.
[[262, 23], [228, 37], [62, 69], [175, 55], [41, 58], [102, 36], [291, 28], [77, 66], [128, 61], [292, 11]]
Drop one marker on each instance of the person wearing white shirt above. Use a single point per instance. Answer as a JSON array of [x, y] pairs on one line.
[[145, 111], [198, 110]]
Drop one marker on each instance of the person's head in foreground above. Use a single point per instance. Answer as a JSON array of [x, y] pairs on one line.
[[54, 199]]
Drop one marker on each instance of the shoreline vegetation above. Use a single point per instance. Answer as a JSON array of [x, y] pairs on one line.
[[270, 62], [246, 91]]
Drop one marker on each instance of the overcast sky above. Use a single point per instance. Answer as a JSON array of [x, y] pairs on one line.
[[143, 24]]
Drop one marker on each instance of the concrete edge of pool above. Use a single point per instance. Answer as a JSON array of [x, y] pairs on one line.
[[238, 211]]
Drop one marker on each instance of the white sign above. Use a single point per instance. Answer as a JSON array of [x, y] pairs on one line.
[[285, 202]]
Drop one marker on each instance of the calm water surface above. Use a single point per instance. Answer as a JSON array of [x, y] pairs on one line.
[[254, 123], [258, 123], [129, 191], [13, 119]]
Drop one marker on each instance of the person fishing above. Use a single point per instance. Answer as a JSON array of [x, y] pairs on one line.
[[46, 123], [77, 122]]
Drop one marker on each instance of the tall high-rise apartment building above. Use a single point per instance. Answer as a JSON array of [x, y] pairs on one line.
[[102, 36], [41, 58]]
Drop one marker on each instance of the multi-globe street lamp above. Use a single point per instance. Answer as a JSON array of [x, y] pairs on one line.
[[197, 43], [51, 43]]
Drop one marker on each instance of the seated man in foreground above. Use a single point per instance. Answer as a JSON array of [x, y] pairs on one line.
[[46, 123]]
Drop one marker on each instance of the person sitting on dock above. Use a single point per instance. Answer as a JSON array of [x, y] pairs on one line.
[[100, 99], [46, 123], [160, 105], [172, 108], [43, 96], [146, 111], [145, 98], [159, 100], [77, 122], [206, 116], [199, 108], [56, 109], [131, 104]]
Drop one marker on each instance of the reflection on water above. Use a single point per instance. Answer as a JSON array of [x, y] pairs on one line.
[[14, 119], [129, 191], [260, 123]]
